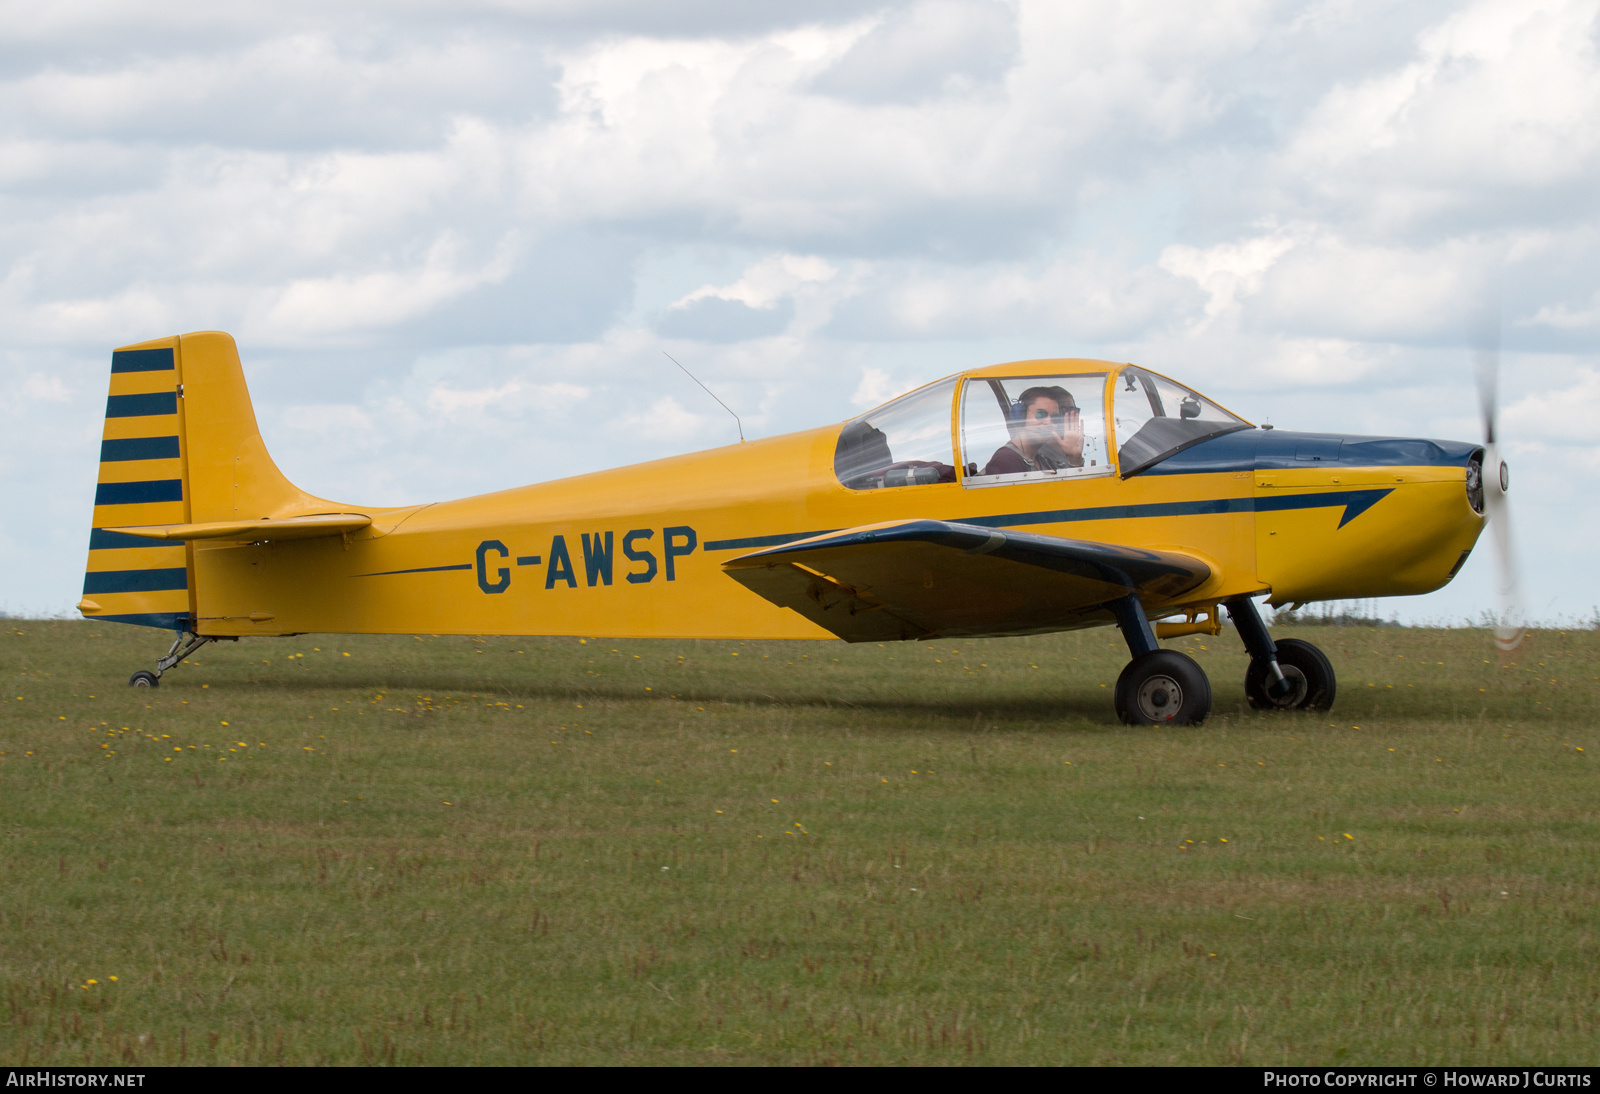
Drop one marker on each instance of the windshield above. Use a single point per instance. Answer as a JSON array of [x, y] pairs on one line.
[[903, 443], [1156, 417]]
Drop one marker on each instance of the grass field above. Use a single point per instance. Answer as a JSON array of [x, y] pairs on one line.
[[458, 851]]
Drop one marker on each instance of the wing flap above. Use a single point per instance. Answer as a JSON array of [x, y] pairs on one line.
[[929, 578], [312, 527]]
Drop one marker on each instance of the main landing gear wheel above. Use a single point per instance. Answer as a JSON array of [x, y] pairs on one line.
[[144, 679], [1163, 687], [1305, 667]]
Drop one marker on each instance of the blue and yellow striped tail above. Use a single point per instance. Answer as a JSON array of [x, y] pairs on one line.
[[143, 472]]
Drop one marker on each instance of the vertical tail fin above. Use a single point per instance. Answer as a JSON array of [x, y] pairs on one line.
[[181, 445], [230, 474]]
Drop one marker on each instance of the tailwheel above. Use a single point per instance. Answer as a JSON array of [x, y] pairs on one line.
[[144, 679], [1163, 687], [1306, 669]]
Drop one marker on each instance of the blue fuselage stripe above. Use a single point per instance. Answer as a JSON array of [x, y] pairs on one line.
[[142, 406], [137, 493], [142, 360], [139, 448], [419, 570], [753, 542], [1118, 512], [1355, 502], [135, 581]]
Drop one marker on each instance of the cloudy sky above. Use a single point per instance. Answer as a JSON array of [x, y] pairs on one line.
[[449, 236]]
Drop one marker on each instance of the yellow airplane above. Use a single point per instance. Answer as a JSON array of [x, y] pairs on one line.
[[1015, 499]]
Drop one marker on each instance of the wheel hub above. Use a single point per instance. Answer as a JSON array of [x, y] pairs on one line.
[[1298, 687], [1159, 698]]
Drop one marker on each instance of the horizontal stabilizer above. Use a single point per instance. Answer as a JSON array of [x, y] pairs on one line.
[[930, 578], [323, 524]]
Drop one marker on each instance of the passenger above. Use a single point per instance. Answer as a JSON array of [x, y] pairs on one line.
[[1049, 436]]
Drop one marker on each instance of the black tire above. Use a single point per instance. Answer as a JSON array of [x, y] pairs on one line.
[[1307, 667], [144, 679], [1163, 687]]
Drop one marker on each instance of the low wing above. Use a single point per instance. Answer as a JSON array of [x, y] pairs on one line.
[[931, 578], [323, 524]]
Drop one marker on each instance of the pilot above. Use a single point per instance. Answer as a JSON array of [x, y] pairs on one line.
[[1049, 436]]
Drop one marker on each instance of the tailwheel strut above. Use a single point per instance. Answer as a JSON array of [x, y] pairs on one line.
[[182, 646]]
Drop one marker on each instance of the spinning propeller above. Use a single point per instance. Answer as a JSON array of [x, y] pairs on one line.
[[1495, 480]]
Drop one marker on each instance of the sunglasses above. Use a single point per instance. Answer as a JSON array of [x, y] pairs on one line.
[[1045, 415]]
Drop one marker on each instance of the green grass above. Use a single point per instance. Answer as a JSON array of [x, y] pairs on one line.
[[458, 851]]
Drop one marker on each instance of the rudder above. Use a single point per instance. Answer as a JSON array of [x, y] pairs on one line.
[[141, 481]]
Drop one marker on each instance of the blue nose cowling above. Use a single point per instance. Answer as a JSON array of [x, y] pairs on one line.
[[1279, 449]]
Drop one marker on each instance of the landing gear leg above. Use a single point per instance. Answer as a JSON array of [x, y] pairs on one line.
[[1263, 651], [144, 678], [1287, 675], [1159, 687]]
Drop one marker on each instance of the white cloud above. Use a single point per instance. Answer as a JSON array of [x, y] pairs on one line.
[[933, 47], [1503, 94], [1331, 286], [342, 303], [767, 282], [1561, 410], [875, 387], [48, 389], [326, 419], [664, 420], [513, 395], [1303, 280], [451, 402], [1565, 318], [1228, 271]]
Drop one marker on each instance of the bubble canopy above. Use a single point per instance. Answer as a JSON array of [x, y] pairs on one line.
[[1035, 421]]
